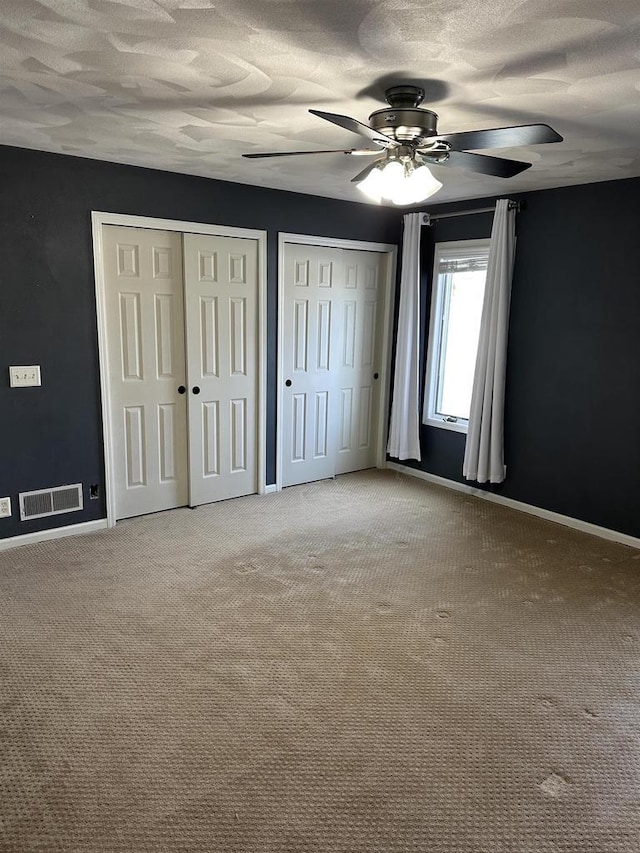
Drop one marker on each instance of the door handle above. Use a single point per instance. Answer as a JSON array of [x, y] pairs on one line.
[[376, 375], [288, 383], [181, 389], [196, 389]]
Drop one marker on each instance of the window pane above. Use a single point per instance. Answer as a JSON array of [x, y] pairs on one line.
[[460, 342]]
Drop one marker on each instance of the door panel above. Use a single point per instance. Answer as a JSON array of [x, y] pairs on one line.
[[309, 337], [145, 331], [361, 306], [221, 293]]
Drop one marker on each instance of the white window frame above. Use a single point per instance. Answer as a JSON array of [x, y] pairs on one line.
[[451, 249]]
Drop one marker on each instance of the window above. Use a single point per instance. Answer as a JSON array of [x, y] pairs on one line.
[[459, 273]]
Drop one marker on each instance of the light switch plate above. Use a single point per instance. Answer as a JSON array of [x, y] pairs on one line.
[[5, 507], [24, 376]]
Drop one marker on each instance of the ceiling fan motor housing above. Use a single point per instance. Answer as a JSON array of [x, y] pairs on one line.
[[402, 119], [404, 124]]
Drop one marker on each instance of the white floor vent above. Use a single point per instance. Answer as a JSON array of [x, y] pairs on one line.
[[50, 501]]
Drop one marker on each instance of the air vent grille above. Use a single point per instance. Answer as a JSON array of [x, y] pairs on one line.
[[53, 501], [39, 503], [64, 500]]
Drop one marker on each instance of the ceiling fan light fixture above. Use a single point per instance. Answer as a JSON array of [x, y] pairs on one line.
[[408, 133], [401, 183]]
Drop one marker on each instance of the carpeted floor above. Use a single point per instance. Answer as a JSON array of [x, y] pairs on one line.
[[366, 664]]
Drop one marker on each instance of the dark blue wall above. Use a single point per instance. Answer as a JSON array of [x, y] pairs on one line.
[[572, 421], [52, 435], [573, 384]]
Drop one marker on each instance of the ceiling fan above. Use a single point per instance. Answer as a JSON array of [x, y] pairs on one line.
[[409, 138]]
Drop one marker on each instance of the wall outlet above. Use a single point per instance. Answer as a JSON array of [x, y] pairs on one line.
[[24, 376], [5, 507]]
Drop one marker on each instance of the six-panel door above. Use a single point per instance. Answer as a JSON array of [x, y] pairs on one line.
[[309, 337], [360, 316], [221, 289], [145, 326]]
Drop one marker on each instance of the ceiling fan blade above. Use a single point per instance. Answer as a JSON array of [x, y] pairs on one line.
[[363, 174], [357, 152], [354, 126], [486, 165], [501, 137]]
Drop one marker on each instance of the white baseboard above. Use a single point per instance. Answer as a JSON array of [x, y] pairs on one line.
[[54, 533], [547, 514], [270, 489]]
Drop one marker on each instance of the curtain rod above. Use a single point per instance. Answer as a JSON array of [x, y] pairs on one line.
[[430, 218]]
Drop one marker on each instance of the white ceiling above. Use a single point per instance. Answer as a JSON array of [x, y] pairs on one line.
[[190, 85]]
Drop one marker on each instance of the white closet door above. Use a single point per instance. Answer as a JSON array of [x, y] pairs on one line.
[[309, 331], [145, 329], [221, 294], [358, 362], [332, 313]]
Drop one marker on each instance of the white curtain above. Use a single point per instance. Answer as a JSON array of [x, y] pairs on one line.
[[484, 450], [404, 430]]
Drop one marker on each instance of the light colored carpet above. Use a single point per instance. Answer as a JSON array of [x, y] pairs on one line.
[[366, 664]]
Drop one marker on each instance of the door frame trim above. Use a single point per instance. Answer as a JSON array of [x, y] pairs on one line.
[[391, 251], [100, 218]]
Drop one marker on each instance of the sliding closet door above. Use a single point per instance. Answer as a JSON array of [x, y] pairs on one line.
[[145, 330], [221, 296]]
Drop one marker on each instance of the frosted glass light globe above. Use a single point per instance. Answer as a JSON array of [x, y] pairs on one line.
[[404, 193], [424, 183], [392, 175], [371, 186]]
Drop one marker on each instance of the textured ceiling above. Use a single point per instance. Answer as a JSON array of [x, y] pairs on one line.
[[190, 85]]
